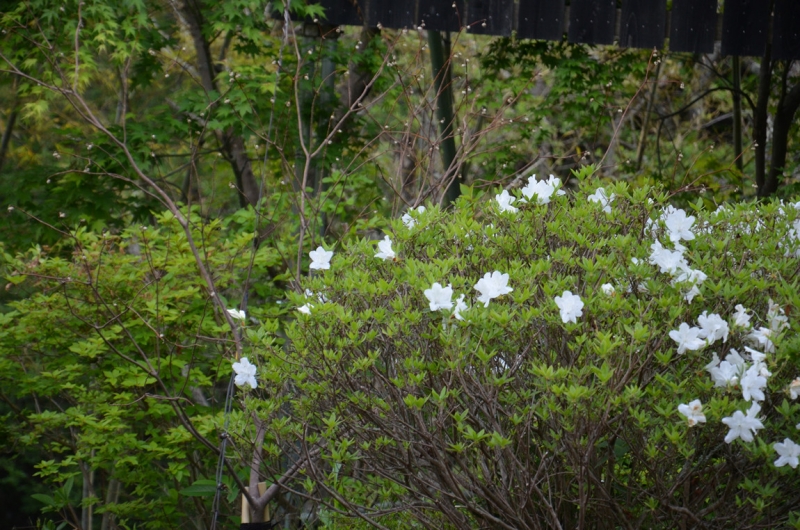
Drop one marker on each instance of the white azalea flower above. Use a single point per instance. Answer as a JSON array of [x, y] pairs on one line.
[[305, 309], [237, 314], [712, 327], [688, 338], [439, 297], [491, 286], [608, 289], [245, 373], [761, 337], [741, 318], [788, 453], [460, 306], [600, 196], [794, 388], [504, 201], [742, 426], [320, 258], [570, 307], [385, 249], [679, 226], [410, 221], [541, 189], [669, 261], [693, 411], [753, 384], [778, 321]]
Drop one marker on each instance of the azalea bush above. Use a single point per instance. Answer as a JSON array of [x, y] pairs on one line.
[[544, 358]]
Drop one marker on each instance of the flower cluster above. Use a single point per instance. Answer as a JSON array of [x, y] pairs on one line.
[[747, 371], [538, 191]]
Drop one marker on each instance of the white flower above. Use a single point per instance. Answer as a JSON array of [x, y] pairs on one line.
[[741, 318], [305, 309], [608, 289], [237, 314], [543, 190], [319, 296], [669, 261], [600, 196], [410, 221], [439, 297], [688, 338], [504, 201], [741, 426], [385, 249], [788, 452], [712, 327], [693, 411], [794, 388], [691, 293], [491, 286], [570, 306], [245, 373], [758, 361], [460, 306], [727, 372], [761, 337], [752, 384], [678, 224], [320, 258], [778, 321]]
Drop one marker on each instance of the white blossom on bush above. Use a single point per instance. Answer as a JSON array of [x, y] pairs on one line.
[[504, 201], [788, 453], [794, 388], [245, 373], [742, 426], [320, 258], [410, 221], [491, 286], [753, 384], [570, 307], [761, 337], [460, 306], [385, 249], [237, 314], [669, 261], [741, 318], [693, 411], [778, 321], [712, 327], [679, 225], [688, 338], [439, 297], [305, 309], [601, 197], [608, 289], [543, 190]]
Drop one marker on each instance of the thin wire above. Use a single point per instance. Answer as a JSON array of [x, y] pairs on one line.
[[222, 447]]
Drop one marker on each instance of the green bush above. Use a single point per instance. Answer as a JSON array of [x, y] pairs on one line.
[[512, 416]]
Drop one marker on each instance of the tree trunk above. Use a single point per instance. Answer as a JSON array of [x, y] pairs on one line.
[[760, 119], [232, 145], [784, 115]]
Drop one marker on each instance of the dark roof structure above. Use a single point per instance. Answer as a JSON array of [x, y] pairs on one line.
[[745, 27]]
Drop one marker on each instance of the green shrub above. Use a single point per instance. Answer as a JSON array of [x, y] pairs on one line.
[[513, 417]]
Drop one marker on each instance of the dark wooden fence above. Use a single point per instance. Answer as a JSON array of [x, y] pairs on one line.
[[745, 28]]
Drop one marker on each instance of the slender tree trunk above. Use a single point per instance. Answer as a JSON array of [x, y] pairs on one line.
[[232, 145], [737, 113], [442, 82], [12, 118], [760, 119], [784, 115]]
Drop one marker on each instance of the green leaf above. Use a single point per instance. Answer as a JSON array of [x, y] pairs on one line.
[[200, 488]]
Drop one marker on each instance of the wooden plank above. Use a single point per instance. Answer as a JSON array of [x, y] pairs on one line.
[[786, 30], [397, 15], [643, 23], [592, 21], [745, 26], [490, 17], [693, 26], [441, 15], [541, 19]]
